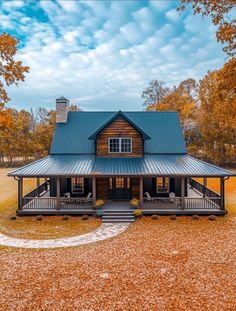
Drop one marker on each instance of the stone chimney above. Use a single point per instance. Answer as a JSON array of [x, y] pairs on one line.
[[62, 107]]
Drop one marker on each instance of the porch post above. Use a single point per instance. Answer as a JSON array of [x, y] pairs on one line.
[[141, 192], [205, 185], [222, 193], [20, 193], [94, 190], [38, 184], [182, 191], [58, 193]]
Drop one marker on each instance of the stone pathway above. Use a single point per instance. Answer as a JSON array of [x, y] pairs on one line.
[[104, 232]]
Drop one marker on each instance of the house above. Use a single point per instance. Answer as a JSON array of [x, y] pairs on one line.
[[117, 156]]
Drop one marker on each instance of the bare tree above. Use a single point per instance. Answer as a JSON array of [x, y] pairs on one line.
[[154, 93]]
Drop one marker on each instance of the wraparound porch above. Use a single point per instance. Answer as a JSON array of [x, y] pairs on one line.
[[195, 198]]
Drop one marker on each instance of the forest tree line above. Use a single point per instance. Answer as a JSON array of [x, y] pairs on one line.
[[207, 110]]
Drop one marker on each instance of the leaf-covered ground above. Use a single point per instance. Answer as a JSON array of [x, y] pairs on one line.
[[30, 228], [163, 264], [155, 265]]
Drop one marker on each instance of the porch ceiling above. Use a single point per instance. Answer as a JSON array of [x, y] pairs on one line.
[[150, 165]]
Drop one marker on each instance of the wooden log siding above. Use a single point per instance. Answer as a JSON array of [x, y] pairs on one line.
[[119, 128]]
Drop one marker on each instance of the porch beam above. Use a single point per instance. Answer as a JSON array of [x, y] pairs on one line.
[[222, 193], [182, 191], [94, 190], [20, 193], [58, 193], [141, 192]]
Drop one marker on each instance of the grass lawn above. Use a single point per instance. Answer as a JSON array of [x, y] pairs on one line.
[[29, 227], [159, 265]]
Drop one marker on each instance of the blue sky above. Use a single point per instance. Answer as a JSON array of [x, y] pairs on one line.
[[102, 54]]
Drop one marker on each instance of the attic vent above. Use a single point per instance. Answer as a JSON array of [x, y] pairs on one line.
[[62, 105]]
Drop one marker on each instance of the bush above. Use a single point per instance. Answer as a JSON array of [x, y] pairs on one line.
[[155, 217], [134, 202], [173, 217], [195, 217], [13, 217], [39, 217], [138, 212], [85, 217], [212, 217], [65, 217], [99, 203]]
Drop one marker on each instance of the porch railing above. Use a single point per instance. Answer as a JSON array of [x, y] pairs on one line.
[[177, 203], [37, 192], [45, 203], [206, 192], [39, 203], [202, 203], [162, 202]]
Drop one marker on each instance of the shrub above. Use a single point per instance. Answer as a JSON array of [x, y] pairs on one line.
[[173, 217], [65, 217], [13, 217], [212, 217], [195, 217], [155, 217], [138, 212], [85, 217], [134, 202], [39, 217], [99, 203]]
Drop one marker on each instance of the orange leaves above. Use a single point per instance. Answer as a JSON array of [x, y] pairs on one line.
[[11, 71], [219, 11]]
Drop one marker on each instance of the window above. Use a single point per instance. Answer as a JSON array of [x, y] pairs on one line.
[[162, 184], [120, 182], [78, 185], [114, 145], [120, 145]]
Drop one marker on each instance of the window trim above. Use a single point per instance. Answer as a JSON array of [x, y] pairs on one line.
[[168, 189], [82, 188], [120, 140]]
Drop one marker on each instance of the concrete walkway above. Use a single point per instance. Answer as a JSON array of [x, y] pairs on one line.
[[104, 232]]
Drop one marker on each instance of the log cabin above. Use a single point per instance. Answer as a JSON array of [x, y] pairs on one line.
[[116, 157]]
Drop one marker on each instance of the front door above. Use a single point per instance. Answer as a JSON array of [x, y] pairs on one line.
[[119, 188]]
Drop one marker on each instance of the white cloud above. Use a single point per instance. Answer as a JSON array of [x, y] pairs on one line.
[[102, 54]]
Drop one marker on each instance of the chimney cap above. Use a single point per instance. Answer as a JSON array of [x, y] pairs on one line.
[[62, 98]]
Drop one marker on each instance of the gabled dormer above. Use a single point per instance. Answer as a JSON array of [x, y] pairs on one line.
[[119, 137]]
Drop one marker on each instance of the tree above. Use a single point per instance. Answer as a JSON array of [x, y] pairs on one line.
[[217, 94], [183, 99], [11, 71], [154, 93], [219, 11]]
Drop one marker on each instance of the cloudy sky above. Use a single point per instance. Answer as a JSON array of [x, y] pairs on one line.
[[102, 54]]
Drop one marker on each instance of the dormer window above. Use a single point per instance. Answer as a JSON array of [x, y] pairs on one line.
[[120, 145]]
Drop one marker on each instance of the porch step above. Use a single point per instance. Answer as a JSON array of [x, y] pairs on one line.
[[118, 216]]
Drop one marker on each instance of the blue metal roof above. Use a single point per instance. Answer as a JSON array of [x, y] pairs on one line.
[[119, 114], [150, 165], [162, 127]]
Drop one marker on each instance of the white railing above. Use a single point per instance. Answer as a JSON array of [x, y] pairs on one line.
[[44, 203], [176, 203]]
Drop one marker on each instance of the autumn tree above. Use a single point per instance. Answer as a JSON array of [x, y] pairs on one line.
[[154, 93], [219, 11], [11, 71], [217, 116]]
